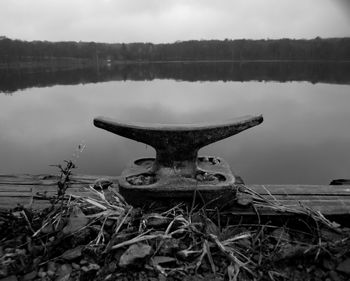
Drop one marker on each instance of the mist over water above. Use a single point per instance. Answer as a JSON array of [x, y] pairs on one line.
[[304, 137]]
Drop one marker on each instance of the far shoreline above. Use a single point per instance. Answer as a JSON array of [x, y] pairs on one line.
[[77, 63]]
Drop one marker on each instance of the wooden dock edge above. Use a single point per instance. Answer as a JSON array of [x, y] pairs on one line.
[[27, 190]]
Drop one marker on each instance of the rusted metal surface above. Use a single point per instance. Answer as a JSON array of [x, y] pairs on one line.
[[177, 171], [177, 145]]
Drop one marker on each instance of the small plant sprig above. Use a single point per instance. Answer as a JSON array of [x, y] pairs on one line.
[[66, 172], [64, 180]]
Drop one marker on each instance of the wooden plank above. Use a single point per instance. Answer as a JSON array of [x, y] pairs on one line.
[[11, 202], [301, 189], [15, 188], [15, 194], [25, 179], [75, 188], [306, 197], [20, 189]]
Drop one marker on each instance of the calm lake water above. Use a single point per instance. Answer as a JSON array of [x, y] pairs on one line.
[[305, 136]]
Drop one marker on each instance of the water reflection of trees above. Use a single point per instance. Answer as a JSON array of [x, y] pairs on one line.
[[12, 80]]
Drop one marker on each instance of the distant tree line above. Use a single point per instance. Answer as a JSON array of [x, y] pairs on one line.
[[12, 80], [281, 49]]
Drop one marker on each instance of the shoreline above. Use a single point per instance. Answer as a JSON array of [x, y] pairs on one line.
[[76, 63]]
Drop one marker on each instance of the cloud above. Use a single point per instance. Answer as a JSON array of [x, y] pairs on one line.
[[170, 20]]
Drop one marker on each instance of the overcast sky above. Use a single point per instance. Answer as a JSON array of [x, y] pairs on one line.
[[170, 20]]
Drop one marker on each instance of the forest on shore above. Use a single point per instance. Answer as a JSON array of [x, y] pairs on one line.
[[19, 51]]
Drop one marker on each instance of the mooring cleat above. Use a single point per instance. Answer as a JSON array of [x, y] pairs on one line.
[[177, 171]]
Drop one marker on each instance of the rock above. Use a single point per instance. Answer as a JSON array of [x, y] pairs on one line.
[[211, 227], [330, 235], [244, 199], [76, 221], [112, 266], [328, 264], [134, 253], [51, 268], [94, 252], [118, 254], [85, 268], [42, 274], [344, 266], [280, 234], [244, 243], [89, 271], [288, 251], [334, 276], [30, 276], [93, 266], [102, 183], [319, 273], [72, 254], [109, 223], [75, 266], [64, 272], [83, 262], [162, 260], [3, 272], [37, 250], [156, 220], [229, 232], [9, 278], [37, 261], [122, 237], [188, 254], [169, 247], [83, 237]]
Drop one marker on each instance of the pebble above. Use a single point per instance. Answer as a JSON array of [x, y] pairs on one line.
[[134, 253], [9, 278], [102, 183], [42, 274], [169, 246], [64, 272], [36, 261], [344, 266], [93, 266], [29, 276], [328, 264], [112, 267], [162, 259], [109, 222], [334, 276], [51, 268], [85, 268], [280, 234], [75, 266], [156, 220], [244, 199], [72, 254], [319, 273]]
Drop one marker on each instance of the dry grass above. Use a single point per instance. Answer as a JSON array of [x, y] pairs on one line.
[[244, 249], [201, 240]]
